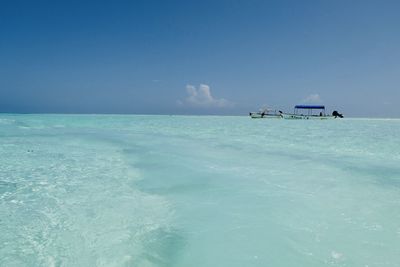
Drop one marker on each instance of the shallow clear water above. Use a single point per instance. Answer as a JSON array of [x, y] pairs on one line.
[[93, 190]]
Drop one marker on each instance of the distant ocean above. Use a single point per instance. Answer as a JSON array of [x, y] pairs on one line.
[[197, 191]]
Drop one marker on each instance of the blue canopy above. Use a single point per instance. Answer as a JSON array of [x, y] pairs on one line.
[[309, 106]]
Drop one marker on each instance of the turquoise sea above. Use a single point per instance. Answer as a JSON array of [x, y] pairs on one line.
[[194, 191]]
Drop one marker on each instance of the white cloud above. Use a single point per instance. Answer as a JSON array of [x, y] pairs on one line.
[[313, 99], [202, 97]]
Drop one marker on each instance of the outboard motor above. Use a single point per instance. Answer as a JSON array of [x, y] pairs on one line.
[[337, 114]]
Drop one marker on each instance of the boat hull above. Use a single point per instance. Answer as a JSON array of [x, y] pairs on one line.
[[265, 116], [306, 117]]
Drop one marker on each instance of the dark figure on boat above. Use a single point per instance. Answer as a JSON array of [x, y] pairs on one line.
[[337, 114]]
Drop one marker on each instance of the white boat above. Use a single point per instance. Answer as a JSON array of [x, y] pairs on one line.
[[266, 114], [298, 115]]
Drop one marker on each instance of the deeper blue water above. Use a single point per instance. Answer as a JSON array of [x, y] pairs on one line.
[[187, 191]]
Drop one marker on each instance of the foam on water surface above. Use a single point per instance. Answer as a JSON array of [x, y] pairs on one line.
[[109, 190]]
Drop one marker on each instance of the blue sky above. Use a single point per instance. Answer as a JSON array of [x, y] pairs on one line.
[[199, 57]]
